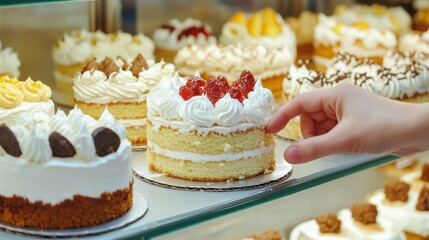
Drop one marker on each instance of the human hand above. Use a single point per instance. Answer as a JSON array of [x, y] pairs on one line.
[[347, 119]]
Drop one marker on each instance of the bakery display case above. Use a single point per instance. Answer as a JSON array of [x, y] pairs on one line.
[[173, 209]]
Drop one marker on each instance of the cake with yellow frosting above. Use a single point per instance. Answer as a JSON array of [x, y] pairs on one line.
[[360, 39], [209, 130], [121, 86], [29, 97], [9, 62], [271, 65], [77, 47], [265, 27]]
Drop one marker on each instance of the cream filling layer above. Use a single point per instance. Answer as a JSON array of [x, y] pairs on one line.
[[158, 122], [62, 178], [9, 116], [141, 122], [195, 157]]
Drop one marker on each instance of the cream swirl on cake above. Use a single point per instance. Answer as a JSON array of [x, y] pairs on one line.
[[122, 86], [23, 97], [9, 62], [211, 125], [415, 42]]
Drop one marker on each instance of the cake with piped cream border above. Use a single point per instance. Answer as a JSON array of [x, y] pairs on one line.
[[9, 62], [210, 131], [122, 86], [63, 172]]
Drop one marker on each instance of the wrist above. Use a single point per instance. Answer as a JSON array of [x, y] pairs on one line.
[[417, 134]]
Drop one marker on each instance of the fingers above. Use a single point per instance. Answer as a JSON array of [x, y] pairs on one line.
[[307, 102], [316, 147]]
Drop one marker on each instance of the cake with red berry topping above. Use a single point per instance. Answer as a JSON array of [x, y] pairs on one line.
[[208, 130], [172, 36]]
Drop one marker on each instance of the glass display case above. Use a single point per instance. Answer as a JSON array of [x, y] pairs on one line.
[[328, 184]]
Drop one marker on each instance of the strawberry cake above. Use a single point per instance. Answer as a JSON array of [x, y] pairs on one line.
[[209, 130]]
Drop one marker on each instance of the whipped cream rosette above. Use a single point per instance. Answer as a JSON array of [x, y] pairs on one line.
[[27, 96], [175, 34], [9, 62], [122, 86], [213, 130], [47, 163]]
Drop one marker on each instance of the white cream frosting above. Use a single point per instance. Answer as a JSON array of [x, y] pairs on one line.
[[166, 39], [133, 123], [350, 229], [421, 4], [403, 214], [329, 31], [414, 42], [94, 86], [9, 116], [79, 46], [233, 32], [9, 62], [199, 112], [195, 157], [394, 19], [230, 60], [38, 176]]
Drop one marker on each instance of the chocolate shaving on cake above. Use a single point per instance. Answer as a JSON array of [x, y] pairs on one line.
[[423, 200], [125, 63], [329, 223], [267, 235], [61, 146], [365, 213], [138, 64], [109, 66], [106, 141], [8, 141], [397, 190], [90, 65], [425, 172]]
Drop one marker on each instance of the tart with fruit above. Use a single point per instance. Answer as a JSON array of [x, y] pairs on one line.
[[265, 27], [208, 130], [172, 36]]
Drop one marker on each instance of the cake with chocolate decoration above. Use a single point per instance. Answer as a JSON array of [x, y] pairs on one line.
[[361, 222], [56, 171], [207, 130], [122, 86]]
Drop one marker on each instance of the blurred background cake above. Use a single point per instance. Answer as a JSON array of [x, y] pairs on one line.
[[77, 47], [421, 18], [264, 27], [62, 172], [175, 34], [122, 87], [9, 62], [269, 64]]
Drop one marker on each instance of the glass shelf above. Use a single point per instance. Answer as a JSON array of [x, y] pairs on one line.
[[13, 3], [172, 210]]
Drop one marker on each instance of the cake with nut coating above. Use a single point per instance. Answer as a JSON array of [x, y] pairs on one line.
[[121, 86], [56, 171], [209, 130]]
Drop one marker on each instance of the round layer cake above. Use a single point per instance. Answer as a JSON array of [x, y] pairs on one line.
[[27, 97], [122, 86], [63, 171], [210, 131]]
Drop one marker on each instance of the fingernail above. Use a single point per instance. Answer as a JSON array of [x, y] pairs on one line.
[[293, 154]]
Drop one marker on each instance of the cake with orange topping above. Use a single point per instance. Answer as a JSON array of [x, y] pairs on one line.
[[264, 27], [209, 130], [332, 36], [271, 65], [63, 172], [26, 97], [9, 62], [77, 47], [421, 18], [175, 34], [121, 86]]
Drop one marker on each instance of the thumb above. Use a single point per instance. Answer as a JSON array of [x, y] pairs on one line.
[[315, 147]]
